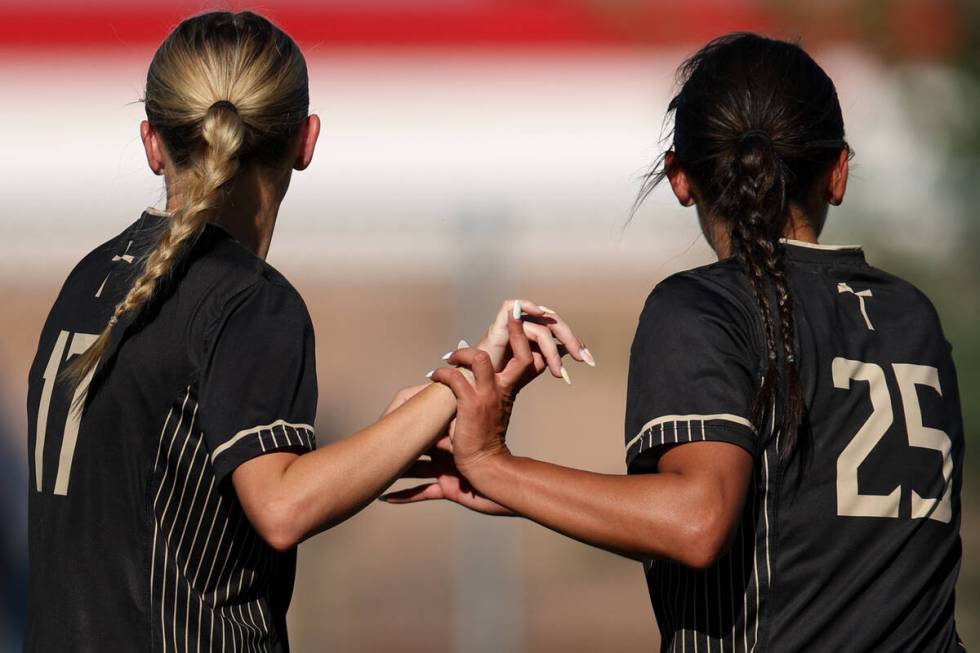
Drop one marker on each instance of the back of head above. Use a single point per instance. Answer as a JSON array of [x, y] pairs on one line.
[[757, 124], [758, 111], [224, 91], [226, 84]]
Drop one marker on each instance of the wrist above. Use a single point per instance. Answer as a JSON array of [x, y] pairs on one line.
[[484, 468], [493, 346]]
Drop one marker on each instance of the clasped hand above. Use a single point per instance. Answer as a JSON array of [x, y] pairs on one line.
[[485, 381]]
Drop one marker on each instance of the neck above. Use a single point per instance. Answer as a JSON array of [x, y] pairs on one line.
[[248, 212], [798, 227]]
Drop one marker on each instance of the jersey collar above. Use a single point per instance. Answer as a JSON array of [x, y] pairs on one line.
[[799, 250]]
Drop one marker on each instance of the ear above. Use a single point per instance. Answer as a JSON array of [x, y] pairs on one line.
[[837, 184], [152, 147], [680, 183], [308, 136]]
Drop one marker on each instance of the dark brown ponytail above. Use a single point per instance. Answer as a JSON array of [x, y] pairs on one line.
[[756, 196], [756, 124]]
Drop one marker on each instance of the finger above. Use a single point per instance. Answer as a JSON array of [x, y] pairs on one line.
[[576, 348], [507, 310], [522, 361], [425, 492], [538, 362], [464, 357], [444, 444], [520, 345], [462, 345], [478, 361], [527, 307], [483, 371], [455, 380], [495, 341], [541, 336]]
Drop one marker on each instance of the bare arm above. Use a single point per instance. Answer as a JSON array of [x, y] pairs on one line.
[[289, 497], [687, 511]]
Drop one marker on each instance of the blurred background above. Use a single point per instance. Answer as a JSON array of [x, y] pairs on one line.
[[474, 150]]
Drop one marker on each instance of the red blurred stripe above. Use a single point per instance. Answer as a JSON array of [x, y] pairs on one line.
[[505, 24], [916, 27]]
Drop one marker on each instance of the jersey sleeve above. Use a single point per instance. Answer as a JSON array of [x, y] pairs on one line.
[[692, 372], [258, 389]]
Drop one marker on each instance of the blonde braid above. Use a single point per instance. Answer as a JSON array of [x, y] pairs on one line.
[[223, 88], [223, 133]]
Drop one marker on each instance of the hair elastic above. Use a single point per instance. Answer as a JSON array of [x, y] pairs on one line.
[[760, 133], [224, 104]]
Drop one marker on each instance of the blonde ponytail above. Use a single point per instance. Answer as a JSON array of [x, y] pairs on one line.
[[222, 88]]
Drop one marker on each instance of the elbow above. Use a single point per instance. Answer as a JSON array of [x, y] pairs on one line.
[[278, 524], [280, 539], [705, 540], [704, 555]]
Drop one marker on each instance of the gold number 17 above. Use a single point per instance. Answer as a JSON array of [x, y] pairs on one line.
[[79, 343]]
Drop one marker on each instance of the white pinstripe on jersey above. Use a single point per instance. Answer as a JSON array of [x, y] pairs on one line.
[[210, 573], [696, 604]]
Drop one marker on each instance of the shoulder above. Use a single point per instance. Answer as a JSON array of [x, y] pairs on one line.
[[80, 301], [906, 289], [710, 290], [223, 278], [703, 307], [93, 264], [222, 269], [225, 266], [907, 308]]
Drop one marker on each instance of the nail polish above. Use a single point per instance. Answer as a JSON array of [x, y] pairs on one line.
[[564, 375], [587, 355], [461, 345], [517, 310]]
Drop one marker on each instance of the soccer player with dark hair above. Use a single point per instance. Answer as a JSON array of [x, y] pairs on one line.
[[794, 438]]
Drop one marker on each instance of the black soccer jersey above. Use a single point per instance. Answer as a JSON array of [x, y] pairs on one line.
[[137, 539], [852, 547]]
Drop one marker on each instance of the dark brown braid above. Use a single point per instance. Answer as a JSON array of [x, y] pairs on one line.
[[755, 192], [757, 124]]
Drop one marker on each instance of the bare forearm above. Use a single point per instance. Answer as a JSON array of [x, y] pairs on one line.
[[324, 487], [664, 515]]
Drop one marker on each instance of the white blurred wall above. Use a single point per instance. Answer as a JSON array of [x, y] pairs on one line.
[[419, 146]]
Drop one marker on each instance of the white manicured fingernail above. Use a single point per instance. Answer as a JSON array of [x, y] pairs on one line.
[[429, 375], [462, 345], [548, 310], [517, 310], [564, 375], [587, 355]]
